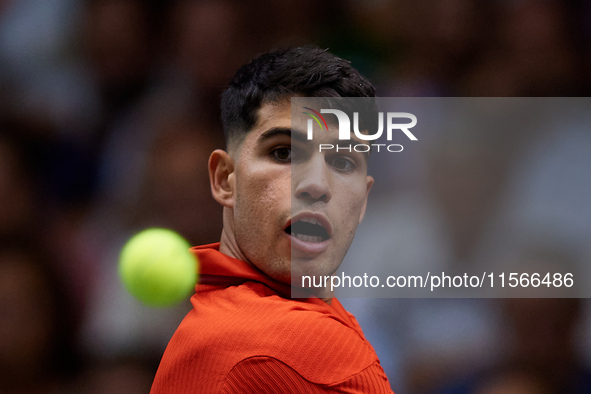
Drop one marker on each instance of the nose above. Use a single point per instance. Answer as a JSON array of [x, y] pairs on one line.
[[312, 180]]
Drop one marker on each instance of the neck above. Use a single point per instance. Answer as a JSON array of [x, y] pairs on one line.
[[229, 247]]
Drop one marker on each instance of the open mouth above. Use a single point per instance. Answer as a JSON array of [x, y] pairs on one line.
[[308, 230]]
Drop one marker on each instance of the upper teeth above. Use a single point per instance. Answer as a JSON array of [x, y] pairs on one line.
[[310, 220]]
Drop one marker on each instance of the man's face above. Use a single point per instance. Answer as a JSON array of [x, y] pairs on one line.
[[295, 208]]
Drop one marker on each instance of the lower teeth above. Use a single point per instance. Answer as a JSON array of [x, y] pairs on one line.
[[307, 238]]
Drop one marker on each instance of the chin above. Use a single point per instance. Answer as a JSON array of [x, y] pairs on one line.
[[318, 266]]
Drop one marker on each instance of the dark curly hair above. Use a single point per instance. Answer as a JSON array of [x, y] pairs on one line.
[[276, 75]]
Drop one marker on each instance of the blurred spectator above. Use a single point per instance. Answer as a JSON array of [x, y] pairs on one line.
[[540, 354], [166, 184], [127, 375], [118, 40], [532, 53], [512, 379], [35, 35], [17, 182], [37, 324], [172, 192]]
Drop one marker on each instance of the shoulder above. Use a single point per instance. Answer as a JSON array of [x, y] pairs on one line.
[[269, 375], [249, 320]]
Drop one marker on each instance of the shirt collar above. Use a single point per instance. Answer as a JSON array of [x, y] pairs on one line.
[[219, 269]]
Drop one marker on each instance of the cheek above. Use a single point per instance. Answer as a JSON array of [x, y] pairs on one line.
[[348, 205], [262, 197]]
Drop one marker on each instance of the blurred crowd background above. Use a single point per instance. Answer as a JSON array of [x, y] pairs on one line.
[[108, 112]]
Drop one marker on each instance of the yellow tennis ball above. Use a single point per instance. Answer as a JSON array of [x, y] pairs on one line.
[[157, 268]]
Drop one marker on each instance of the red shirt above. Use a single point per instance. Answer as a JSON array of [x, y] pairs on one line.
[[244, 335]]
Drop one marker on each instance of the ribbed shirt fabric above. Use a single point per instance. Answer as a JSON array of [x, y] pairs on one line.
[[245, 335]]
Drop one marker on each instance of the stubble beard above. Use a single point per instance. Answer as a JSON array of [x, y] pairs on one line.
[[264, 254]]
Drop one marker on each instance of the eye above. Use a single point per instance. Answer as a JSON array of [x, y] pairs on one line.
[[282, 154], [343, 164]]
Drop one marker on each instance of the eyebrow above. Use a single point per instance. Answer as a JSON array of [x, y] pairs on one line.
[[295, 134]]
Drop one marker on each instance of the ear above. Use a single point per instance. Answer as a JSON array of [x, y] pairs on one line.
[[222, 177], [370, 181]]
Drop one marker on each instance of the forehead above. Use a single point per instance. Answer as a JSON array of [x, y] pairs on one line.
[[279, 115]]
